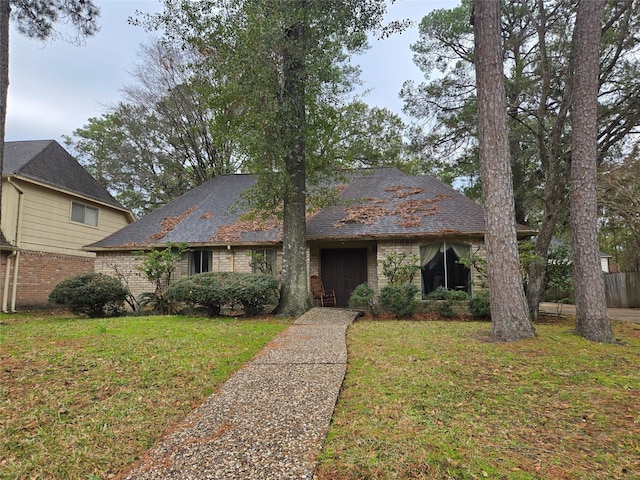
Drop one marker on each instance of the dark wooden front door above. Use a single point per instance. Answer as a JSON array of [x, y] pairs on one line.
[[342, 270]]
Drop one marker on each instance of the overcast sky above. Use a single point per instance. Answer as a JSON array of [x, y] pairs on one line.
[[55, 87]]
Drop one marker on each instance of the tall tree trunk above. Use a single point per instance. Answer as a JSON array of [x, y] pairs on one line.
[[554, 163], [294, 299], [509, 318], [591, 309], [5, 10]]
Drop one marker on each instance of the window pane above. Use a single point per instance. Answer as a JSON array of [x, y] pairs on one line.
[[200, 261], [204, 262], [91, 216], [77, 212], [271, 261], [264, 261]]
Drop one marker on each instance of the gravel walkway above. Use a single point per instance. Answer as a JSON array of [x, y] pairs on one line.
[[269, 420]]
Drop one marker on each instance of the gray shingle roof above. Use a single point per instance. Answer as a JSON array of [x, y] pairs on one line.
[[382, 203], [389, 203], [46, 161], [194, 217]]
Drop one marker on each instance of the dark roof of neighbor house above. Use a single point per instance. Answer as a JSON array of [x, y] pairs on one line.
[[4, 244], [381, 202], [46, 161], [557, 243]]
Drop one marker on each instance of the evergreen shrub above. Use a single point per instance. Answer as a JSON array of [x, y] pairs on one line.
[[479, 305], [399, 299], [215, 290], [92, 294], [364, 297]]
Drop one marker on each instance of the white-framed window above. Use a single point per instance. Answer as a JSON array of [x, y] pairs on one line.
[[199, 261], [82, 213], [264, 261]]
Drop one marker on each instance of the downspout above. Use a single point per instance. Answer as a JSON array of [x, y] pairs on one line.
[[14, 290], [7, 275]]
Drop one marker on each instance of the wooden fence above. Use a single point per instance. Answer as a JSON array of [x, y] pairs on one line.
[[622, 289]]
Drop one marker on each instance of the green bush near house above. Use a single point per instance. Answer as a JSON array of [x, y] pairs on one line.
[[256, 291], [479, 305], [445, 309], [363, 296], [442, 293], [93, 294], [399, 299], [251, 292]]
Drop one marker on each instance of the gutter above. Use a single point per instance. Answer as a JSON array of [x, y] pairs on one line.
[[15, 254]]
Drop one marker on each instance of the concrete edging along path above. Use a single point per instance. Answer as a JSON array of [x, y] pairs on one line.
[[270, 419]]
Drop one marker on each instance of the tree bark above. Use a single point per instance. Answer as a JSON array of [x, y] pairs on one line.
[[294, 300], [591, 309], [5, 10], [509, 315]]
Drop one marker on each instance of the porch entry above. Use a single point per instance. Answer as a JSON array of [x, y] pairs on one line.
[[342, 270], [440, 267]]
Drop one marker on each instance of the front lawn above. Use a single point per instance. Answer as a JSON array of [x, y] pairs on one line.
[[82, 398], [435, 400]]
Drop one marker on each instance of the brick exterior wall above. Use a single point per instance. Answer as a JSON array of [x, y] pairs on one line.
[[38, 273], [387, 247], [238, 259], [413, 247], [123, 265]]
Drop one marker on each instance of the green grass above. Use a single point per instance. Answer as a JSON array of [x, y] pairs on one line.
[[83, 398], [433, 400]]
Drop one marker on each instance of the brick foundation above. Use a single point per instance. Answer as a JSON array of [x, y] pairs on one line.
[[38, 273]]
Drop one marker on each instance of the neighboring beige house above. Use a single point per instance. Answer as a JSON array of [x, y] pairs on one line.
[[385, 211], [51, 208]]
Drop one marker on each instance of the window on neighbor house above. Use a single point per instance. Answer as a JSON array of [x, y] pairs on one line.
[[199, 261], [264, 261], [82, 213], [440, 267]]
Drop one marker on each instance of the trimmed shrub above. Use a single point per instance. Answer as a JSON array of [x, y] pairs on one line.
[[445, 310], [215, 290], [458, 296], [442, 293], [479, 306], [206, 289], [255, 291], [363, 296], [439, 293], [399, 299], [92, 294]]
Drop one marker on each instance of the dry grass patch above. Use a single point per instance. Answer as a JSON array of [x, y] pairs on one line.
[[82, 398], [429, 400]]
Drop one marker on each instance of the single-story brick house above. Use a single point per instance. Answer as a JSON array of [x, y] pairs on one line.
[[385, 211]]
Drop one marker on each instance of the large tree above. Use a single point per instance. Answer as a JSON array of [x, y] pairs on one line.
[[281, 65], [164, 138], [509, 318], [539, 83], [619, 200], [36, 19], [592, 320]]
